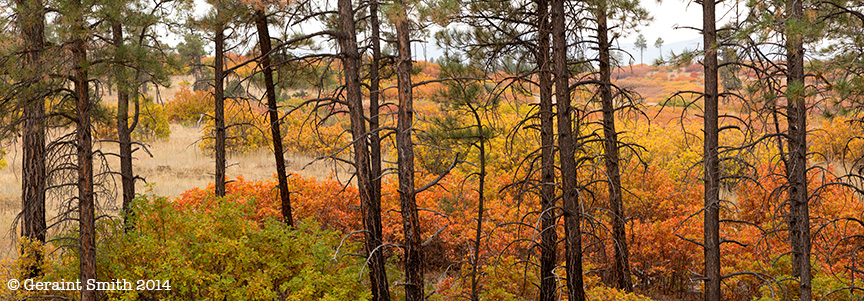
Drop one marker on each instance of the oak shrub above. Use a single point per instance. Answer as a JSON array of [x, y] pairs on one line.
[[217, 251], [213, 251]]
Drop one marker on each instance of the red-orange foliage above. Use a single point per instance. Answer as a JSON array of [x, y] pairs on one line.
[[337, 207]]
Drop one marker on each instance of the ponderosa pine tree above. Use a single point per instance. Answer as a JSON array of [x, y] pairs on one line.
[[124, 131], [372, 218], [273, 110], [370, 209], [567, 155], [796, 158], [31, 23], [498, 34], [219, 130], [784, 85], [84, 145], [548, 232], [641, 44], [413, 250], [379, 286], [467, 101], [609, 20], [710, 156]]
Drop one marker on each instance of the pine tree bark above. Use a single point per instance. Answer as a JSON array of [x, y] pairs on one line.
[[378, 281], [32, 23], [567, 153], [711, 160], [621, 268], [548, 234], [369, 210], [796, 163], [374, 111], [219, 109], [405, 151], [124, 132], [273, 112], [86, 202]]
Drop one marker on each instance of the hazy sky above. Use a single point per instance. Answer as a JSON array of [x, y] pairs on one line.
[[667, 15]]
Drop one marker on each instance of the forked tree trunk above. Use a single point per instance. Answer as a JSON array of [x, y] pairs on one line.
[[31, 21], [710, 155], [567, 153], [405, 150], [124, 132], [368, 208], [372, 219], [84, 144], [219, 110], [796, 169], [621, 267], [273, 110], [548, 234]]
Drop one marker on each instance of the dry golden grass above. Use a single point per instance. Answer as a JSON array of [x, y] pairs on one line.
[[177, 164]]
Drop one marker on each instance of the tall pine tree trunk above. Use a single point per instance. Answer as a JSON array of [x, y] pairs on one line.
[[710, 155], [32, 24], [548, 235], [621, 268], [567, 153], [796, 168], [84, 141], [273, 112], [405, 151], [377, 272], [219, 109], [369, 210], [124, 132]]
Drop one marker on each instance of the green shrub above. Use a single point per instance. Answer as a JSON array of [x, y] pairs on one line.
[[220, 252]]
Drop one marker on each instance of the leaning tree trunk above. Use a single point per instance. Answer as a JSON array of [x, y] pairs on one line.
[[481, 199], [621, 268], [405, 152], [567, 153], [219, 108], [31, 21], [796, 168], [372, 218], [86, 202], [124, 132], [710, 154], [548, 234], [273, 110]]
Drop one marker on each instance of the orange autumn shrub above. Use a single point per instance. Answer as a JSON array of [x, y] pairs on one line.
[[188, 107], [762, 202], [449, 210], [309, 198]]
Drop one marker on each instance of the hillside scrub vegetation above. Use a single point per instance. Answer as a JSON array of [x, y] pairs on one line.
[[327, 150]]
